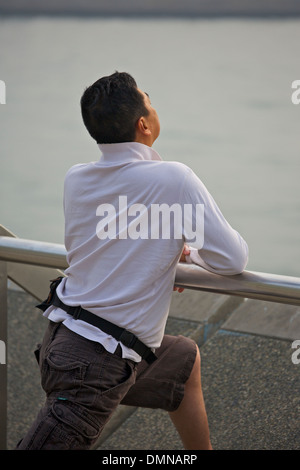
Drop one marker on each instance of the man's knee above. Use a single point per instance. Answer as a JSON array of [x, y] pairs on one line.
[[195, 376]]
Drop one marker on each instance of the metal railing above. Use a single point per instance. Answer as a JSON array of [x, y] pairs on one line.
[[25, 262], [249, 284]]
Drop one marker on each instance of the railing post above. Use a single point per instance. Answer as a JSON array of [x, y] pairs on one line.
[[3, 355]]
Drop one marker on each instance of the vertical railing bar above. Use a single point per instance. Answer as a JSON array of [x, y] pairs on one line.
[[3, 355]]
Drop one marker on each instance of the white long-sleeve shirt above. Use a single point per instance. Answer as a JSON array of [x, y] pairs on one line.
[[123, 252]]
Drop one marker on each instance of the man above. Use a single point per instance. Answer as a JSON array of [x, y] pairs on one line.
[[122, 263]]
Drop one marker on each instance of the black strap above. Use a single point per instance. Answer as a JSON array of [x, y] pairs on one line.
[[120, 334]]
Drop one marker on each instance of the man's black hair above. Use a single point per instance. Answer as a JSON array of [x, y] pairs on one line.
[[111, 107]]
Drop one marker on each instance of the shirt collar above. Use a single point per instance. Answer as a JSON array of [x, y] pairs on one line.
[[126, 152]]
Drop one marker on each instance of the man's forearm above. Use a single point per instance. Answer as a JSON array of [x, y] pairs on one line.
[[230, 262]]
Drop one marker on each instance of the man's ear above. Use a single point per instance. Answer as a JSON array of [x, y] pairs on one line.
[[142, 126]]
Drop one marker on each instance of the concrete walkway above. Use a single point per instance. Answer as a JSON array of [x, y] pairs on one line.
[[251, 384]]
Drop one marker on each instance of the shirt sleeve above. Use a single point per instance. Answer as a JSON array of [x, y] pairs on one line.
[[219, 248]]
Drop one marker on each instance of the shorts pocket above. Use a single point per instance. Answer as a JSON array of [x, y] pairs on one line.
[[78, 418], [62, 371]]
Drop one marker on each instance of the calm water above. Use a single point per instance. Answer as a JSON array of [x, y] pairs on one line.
[[222, 89]]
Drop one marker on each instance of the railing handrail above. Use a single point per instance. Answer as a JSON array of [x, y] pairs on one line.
[[38, 253], [249, 284]]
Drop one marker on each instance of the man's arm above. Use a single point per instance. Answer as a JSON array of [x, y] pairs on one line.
[[231, 267], [223, 251]]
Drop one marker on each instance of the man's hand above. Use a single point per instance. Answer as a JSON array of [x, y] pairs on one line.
[[186, 251]]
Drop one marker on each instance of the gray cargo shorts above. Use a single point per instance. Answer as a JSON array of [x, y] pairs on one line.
[[84, 384]]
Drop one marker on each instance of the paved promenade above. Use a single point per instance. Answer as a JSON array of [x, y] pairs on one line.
[[251, 385]]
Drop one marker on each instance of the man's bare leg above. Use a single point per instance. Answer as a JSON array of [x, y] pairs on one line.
[[190, 418]]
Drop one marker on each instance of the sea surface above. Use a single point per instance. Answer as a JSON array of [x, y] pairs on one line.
[[222, 89]]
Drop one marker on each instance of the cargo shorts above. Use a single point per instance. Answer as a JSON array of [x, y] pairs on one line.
[[84, 384]]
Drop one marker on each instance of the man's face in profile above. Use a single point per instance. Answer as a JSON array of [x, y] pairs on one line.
[[152, 117]]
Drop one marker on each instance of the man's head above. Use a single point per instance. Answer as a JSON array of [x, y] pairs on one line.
[[114, 110]]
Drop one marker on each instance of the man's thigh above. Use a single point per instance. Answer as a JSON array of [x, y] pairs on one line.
[[84, 384], [161, 384]]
